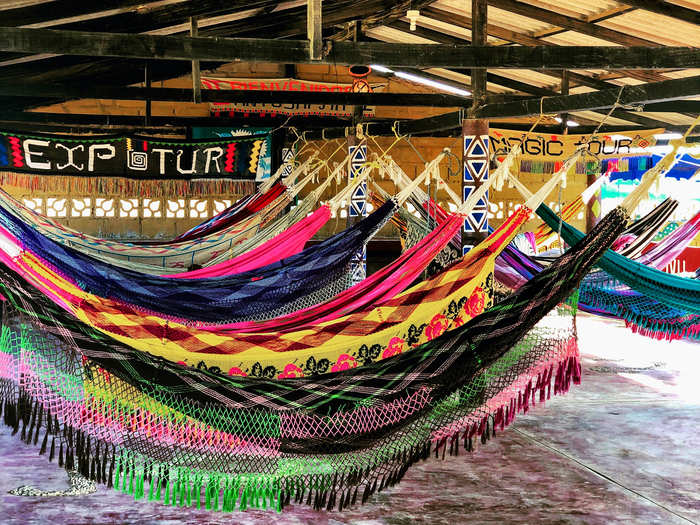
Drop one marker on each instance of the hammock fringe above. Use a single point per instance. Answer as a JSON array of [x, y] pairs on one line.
[[671, 329], [128, 472]]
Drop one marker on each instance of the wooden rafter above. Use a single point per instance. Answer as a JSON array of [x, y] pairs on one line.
[[577, 77], [667, 9], [23, 40], [570, 23]]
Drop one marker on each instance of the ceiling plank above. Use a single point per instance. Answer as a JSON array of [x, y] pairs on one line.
[[158, 47], [424, 32], [570, 23], [465, 22], [667, 9]]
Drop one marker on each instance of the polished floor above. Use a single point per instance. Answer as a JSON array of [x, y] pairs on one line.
[[623, 447]]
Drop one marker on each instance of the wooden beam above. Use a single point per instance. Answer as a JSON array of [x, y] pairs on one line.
[[147, 86], [667, 9], [22, 40], [518, 38], [83, 91], [196, 79], [9, 118], [567, 22], [314, 28], [478, 76], [641, 94], [527, 88], [675, 106]]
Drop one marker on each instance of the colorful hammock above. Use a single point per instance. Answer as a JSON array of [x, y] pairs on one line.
[[602, 295], [304, 279], [671, 290], [174, 257], [155, 259], [643, 231], [459, 295], [362, 337], [197, 439], [161, 255], [285, 244], [236, 212]]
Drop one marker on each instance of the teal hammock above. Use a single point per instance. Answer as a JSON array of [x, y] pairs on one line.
[[674, 291]]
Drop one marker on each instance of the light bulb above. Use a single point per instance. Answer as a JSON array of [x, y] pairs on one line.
[[412, 15]]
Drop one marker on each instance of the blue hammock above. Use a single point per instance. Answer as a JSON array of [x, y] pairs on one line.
[[302, 280]]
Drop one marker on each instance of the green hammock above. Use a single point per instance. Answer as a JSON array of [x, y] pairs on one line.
[[679, 292]]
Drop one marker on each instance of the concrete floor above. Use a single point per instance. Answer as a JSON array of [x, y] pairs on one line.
[[623, 447]]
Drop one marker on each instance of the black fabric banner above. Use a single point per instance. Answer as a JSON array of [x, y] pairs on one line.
[[132, 157]]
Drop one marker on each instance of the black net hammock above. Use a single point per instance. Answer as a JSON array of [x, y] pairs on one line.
[[188, 437]]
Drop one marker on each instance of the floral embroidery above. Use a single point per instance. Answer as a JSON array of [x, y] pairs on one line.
[[235, 371], [291, 371], [437, 327], [344, 362], [313, 367], [394, 347], [458, 321], [476, 302]]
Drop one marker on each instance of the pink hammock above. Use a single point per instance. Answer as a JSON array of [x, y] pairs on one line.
[[287, 243], [673, 245], [376, 289]]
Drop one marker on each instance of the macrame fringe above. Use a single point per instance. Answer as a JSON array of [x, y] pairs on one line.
[[63, 184], [129, 473], [661, 330], [686, 327]]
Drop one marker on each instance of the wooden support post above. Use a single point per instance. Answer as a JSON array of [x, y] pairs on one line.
[[147, 82], [475, 142], [196, 82], [478, 76], [357, 208], [475, 171], [564, 91], [314, 28]]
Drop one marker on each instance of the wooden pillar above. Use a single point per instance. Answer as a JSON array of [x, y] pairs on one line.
[[475, 171], [147, 82], [475, 142], [314, 28], [357, 148], [196, 81], [593, 208], [478, 76]]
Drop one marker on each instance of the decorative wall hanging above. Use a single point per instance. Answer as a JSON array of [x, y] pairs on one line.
[[131, 157]]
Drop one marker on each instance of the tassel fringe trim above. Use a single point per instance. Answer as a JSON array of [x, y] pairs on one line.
[[130, 473]]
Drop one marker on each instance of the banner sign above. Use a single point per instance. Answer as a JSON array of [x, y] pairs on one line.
[[548, 147], [282, 84], [132, 157], [265, 157]]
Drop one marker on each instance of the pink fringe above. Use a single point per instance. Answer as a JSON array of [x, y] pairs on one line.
[[503, 407]]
